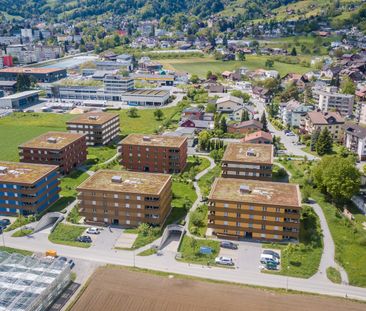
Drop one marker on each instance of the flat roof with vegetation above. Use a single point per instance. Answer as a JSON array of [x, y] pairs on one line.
[[249, 153], [24, 173], [126, 182], [154, 140], [93, 118], [52, 140], [255, 192]]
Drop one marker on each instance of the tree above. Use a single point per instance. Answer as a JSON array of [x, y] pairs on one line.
[[269, 63], [324, 144], [244, 115], [223, 125], [314, 139], [240, 94], [338, 177], [264, 122], [132, 112], [23, 83], [209, 75], [293, 52], [194, 79], [158, 114], [217, 121], [203, 139], [241, 56], [211, 108], [348, 86]]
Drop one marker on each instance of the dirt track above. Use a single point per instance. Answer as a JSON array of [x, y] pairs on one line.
[[118, 290]]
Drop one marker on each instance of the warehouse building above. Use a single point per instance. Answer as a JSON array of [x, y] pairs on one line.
[[29, 283], [66, 150], [146, 97], [252, 209], [45, 75], [100, 128], [125, 198], [20, 100], [248, 161], [27, 188], [154, 153]]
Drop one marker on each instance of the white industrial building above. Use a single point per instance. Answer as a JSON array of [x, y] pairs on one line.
[[146, 97], [20, 100]]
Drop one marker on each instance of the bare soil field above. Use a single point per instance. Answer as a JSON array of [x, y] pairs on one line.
[[116, 289]]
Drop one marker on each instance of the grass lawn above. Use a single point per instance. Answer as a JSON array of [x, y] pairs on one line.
[[190, 251], [206, 181], [67, 234], [18, 128], [349, 237], [20, 221], [142, 239], [21, 232], [334, 275], [198, 221], [303, 259], [148, 252], [11, 250], [98, 155], [146, 123], [200, 66]]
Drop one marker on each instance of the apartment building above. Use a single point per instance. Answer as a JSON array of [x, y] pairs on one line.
[[125, 198], [330, 99], [66, 150], [248, 161], [333, 121], [154, 153], [292, 112], [252, 209], [100, 128], [27, 188], [355, 140], [116, 85]]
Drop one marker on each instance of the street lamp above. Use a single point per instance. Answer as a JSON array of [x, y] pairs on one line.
[[288, 267], [2, 233]]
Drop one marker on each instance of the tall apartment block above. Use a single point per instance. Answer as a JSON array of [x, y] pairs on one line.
[[27, 188], [248, 161], [100, 128], [154, 153], [254, 209], [66, 150], [125, 198]]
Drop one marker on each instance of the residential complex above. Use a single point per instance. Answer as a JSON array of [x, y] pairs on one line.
[[248, 161], [125, 198], [330, 99], [27, 188], [39, 74], [66, 150], [317, 120], [154, 153], [254, 209], [100, 128], [292, 112]]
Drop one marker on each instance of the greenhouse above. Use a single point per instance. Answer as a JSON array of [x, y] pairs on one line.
[[30, 283]]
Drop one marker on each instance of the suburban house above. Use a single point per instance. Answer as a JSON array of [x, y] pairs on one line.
[[355, 140], [229, 104], [333, 121], [259, 137], [245, 127], [261, 94], [237, 114], [198, 124], [292, 112], [192, 113]]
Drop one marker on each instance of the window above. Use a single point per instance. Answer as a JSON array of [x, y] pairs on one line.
[[278, 209], [94, 202], [128, 222], [276, 227], [138, 205], [225, 214], [127, 205], [115, 196], [105, 211], [95, 219], [94, 210], [226, 205], [263, 217], [237, 215], [238, 206], [127, 197], [250, 225], [263, 235], [251, 207], [238, 224], [225, 223], [251, 216], [138, 214], [277, 218], [115, 204], [263, 227], [264, 209], [105, 220], [225, 231], [276, 236], [138, 198]]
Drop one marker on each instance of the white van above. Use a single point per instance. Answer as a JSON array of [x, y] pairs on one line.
[[267, 257]]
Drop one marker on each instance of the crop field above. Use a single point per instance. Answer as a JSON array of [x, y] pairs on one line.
[[118, 289]]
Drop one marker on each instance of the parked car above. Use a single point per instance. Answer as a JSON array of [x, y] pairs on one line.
[[84, 239], [71, 263], [229, 245], [93, 230], [227, 261], [5, 222], [273, 253], [290, 134], [268, 258]]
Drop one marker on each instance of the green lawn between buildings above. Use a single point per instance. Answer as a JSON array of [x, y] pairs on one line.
[[67, 234], [11, 250], [349, 237]]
